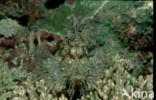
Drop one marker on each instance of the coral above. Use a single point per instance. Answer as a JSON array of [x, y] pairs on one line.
[[9, 78], [30, 90], [9, 27], [109, 87], [131, 30], [56, 20], [115, 80]]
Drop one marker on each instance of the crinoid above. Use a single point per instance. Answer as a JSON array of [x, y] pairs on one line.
[[75, 67]]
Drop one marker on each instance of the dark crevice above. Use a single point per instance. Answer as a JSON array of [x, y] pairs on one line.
[[148, 48], [35, 42], [1, 36], [8, 47], [27, 94], [52, 4], [21, 20], [38, 93], [50, 39], [77, 93]]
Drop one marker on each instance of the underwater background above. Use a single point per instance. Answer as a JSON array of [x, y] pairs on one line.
[[76, 50]]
